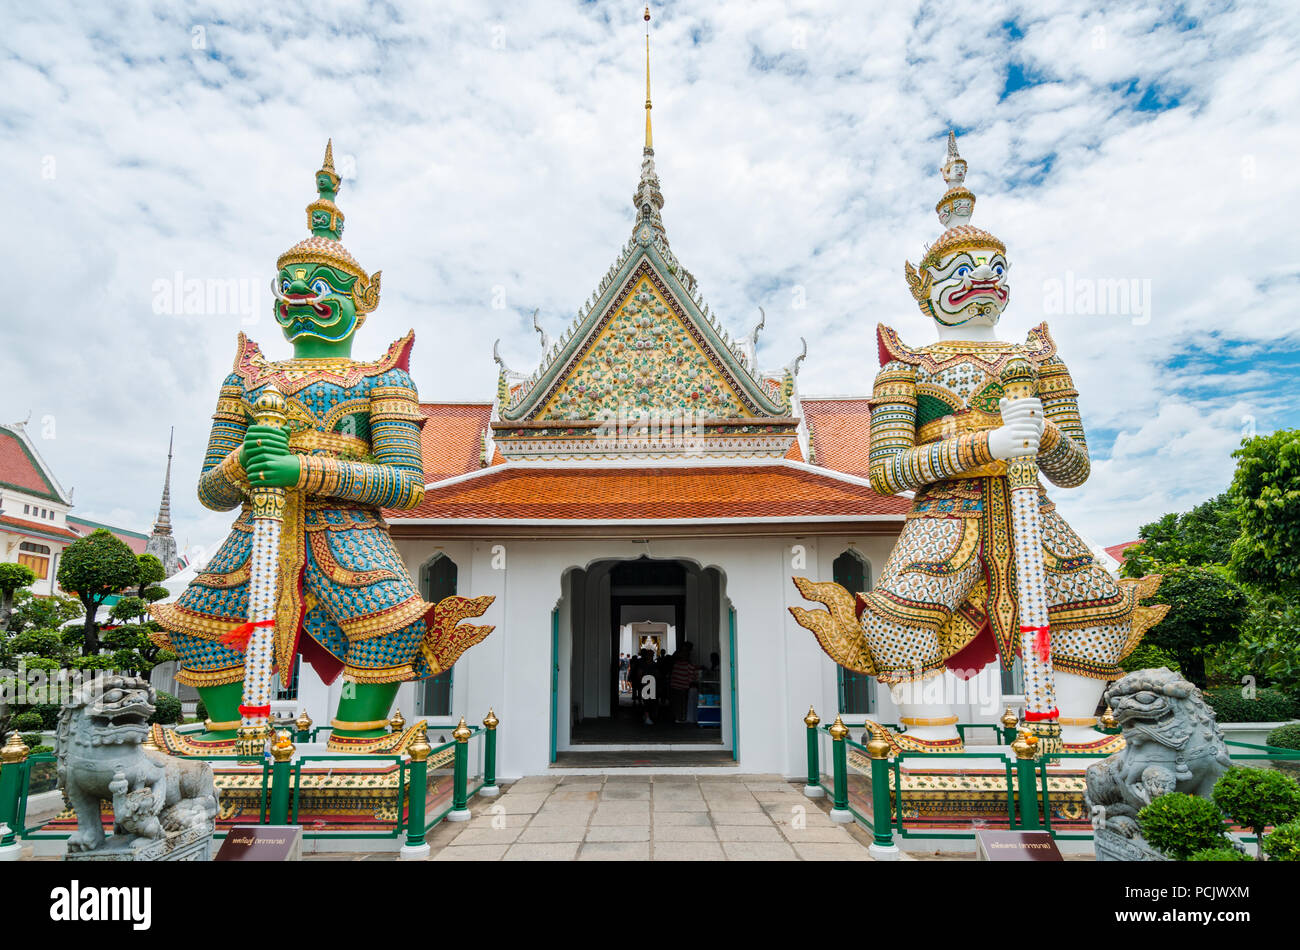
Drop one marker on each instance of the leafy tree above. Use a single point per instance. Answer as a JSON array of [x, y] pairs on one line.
[[1205, 609], [13, 577], [1220, 854], [1198, 537], [95, 568], [151, 572], [1180, 825], [1266, 492], [1257, 798], [1269, 646]]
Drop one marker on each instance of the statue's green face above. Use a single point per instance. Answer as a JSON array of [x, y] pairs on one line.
[[315, 300], [324, 183]]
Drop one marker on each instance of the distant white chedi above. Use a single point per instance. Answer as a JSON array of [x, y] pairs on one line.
[[985, 567]]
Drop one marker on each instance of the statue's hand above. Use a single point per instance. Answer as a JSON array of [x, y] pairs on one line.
[[1021, 429], [266, 457]]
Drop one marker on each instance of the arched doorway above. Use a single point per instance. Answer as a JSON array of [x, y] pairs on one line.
[[609, 697]]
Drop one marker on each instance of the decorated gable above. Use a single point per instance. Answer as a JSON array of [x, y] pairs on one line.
[[644, 360]]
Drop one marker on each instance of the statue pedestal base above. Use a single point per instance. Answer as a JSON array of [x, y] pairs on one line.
[[417, 853], [841, 816], [461, 814], [882, 853], [191, 845], [1115, 847], [814, 791], [489, 791]]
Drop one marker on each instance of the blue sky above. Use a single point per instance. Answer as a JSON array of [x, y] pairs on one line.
[[490, 151]]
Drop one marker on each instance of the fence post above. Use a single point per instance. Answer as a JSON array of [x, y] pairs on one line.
[[840, 756], [13, 763], [1026, 749], [882, 846], [282, 750], [813, 787], [416, 848], [1009, 722], [460, 779], [490, 788], [303, 725]]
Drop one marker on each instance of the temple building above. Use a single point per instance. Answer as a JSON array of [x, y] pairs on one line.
[[650, 483], [36, 523]]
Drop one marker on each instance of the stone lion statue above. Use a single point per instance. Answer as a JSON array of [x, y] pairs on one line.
[[100, 758], [1172, 743]]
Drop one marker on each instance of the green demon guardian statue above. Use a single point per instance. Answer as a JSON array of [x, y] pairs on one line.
[[946, 424], [351, 447]]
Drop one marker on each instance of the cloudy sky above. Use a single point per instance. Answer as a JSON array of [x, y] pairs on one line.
[[490, 152]]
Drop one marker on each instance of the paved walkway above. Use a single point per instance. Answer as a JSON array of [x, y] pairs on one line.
[[650, 817]]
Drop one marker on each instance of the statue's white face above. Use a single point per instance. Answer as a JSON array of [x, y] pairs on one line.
[[970, 288]]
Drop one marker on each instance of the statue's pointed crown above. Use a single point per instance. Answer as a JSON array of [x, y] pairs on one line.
[[325, 222], [955, 209]]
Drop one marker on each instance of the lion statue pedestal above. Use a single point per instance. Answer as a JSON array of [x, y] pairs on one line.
[[164, 808]]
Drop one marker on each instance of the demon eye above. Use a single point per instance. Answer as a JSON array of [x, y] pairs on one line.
[[284, 286], [320, 287], [999, 269], [962, 271]]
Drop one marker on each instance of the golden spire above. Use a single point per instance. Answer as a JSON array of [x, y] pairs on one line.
[[649, 141]]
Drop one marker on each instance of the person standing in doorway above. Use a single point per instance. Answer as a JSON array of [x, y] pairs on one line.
[[681, 681]]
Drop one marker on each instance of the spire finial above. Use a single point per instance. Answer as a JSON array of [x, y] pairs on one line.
[[649, 139], [164, 523]]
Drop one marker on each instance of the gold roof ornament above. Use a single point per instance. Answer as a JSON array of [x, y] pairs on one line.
[[490, 721], [303, 722], [812, 719], [398, 722], [1010, 719], [14, 751], [839, 732]]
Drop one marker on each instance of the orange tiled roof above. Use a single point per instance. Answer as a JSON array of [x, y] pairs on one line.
[[452, 440], [536, 493], [19, 470], [1117, 551], [23, 526], [841, 436]]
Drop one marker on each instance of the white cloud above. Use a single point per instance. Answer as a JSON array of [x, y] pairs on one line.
[[498, 145]]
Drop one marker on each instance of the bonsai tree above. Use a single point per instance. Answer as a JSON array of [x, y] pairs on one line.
[[1179, 825], [94, 569], [1257, 798], [1284, 843], [13, 578]]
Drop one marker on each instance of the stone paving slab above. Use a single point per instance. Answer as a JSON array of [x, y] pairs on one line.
[[649, 817]]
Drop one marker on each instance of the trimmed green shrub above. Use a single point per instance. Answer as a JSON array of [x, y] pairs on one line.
[[1285, 737], [1283, 843], [1269, 705], [167, 709], [26, 722], [200, 711], [49, 713], [32, 739], [40, 750], [1220, 854], [1257, 798], [1179, 825]]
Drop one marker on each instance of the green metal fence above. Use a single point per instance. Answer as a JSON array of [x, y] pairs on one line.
[[282, 778], [1022, 769]]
